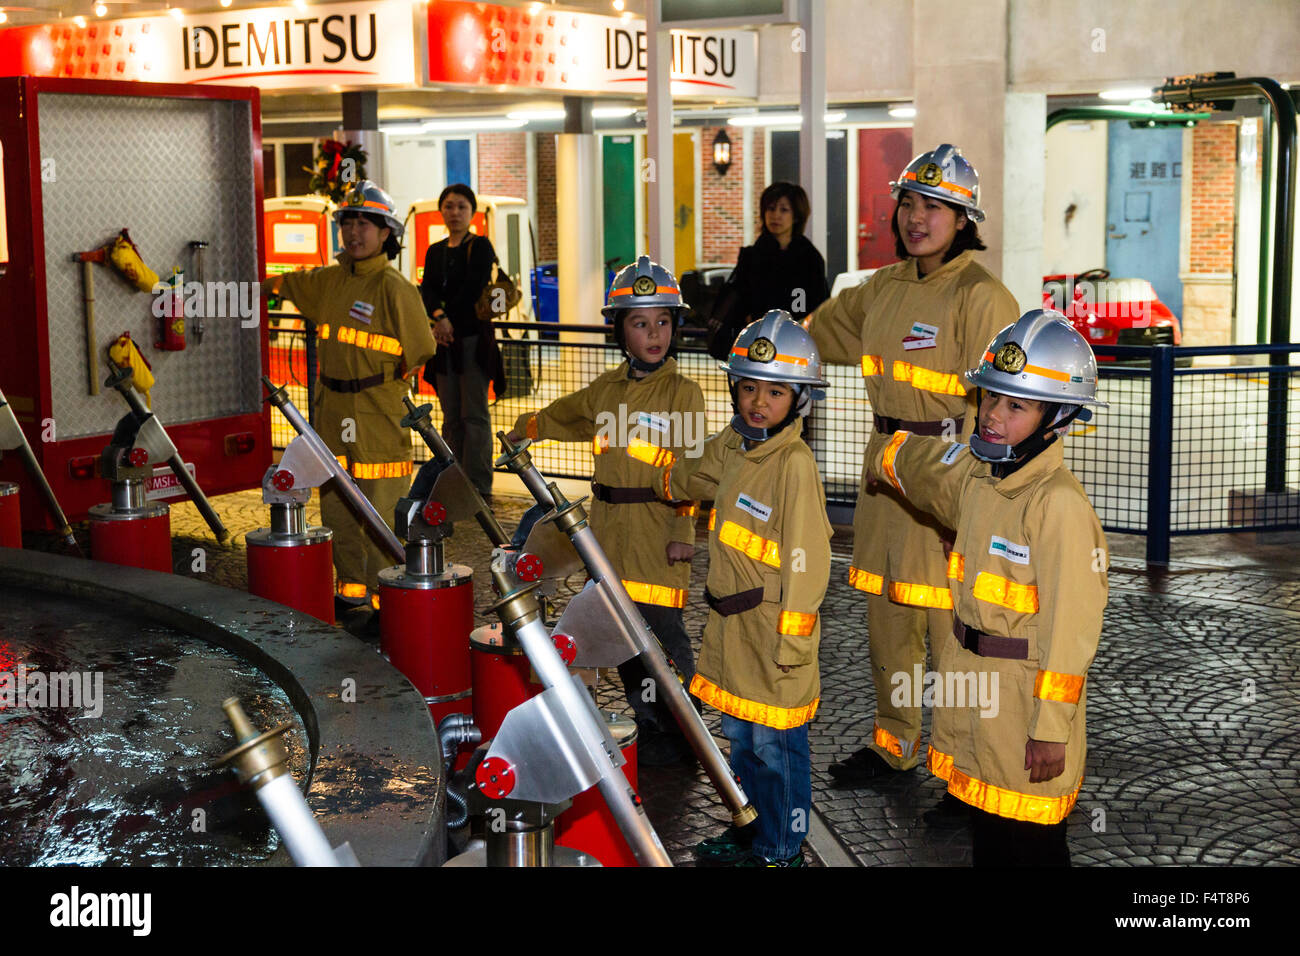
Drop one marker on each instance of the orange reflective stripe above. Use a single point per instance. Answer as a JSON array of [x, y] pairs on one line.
[[374, 601], [795, 624], [891, 453], [927, 380], [530, 430], [998, 590], [951, 187], [713, 517], [366, 340], [1009, 803], [668, 489], [758, 548], [866, 581], [323, 331], [656, 594], [382, 469], [689, 510], [659, 290], [791, 359], [940, 763], [1048, 373], [920, 595], [649, 453], [872, 365], [887, 741], [1049, 685], [600, 444], [956, 566], [769, 715], [350, 590]]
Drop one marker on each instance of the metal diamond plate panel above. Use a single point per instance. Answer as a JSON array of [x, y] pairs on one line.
[[171, 171]]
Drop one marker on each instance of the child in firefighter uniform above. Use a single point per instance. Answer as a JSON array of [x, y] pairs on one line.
[[914, 327], [769, 563], [640, 416], [372, 332], [1028, 577]]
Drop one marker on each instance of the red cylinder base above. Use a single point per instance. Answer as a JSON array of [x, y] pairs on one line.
[[503, 678], [588, 825], [144, 542], [424, 631], [300, 576], [11, 520]]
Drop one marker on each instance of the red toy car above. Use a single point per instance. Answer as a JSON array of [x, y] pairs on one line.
[[1110, 311]]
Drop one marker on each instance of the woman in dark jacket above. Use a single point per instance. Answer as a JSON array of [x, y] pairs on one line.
[[781, 270], [456, 271]]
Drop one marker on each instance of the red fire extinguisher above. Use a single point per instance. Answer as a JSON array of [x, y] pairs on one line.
[[172, 328]]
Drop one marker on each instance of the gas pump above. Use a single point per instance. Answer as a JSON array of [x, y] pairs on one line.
[[300, 234]]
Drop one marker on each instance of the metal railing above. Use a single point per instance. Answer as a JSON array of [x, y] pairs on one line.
[[1179, 451]]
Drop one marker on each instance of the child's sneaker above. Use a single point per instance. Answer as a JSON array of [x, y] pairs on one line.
[[728, 848]]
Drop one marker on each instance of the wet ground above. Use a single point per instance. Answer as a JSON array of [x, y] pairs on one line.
[[1194, 709]]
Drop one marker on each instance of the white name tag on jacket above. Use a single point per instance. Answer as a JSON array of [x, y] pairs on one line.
[[657, 422], [1016, 553], [361, 311], [760, 511], [920, 336]]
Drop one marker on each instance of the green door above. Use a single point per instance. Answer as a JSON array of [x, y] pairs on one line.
[[620, 199]]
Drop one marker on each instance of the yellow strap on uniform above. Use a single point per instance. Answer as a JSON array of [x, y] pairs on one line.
[[1049, 685], [940, 763], [600, 444], [649, 453], [668, 487], [956, 566], [866, 581], [382, 469], [374, 601], [713, 517], [872, 365], [891, 453], [349, 589], [746, 542], [688, 510], [887, 741], [1009, 803], [362, 339], [998, 590], [796, 624], [927, 380], [656, 594], [920, 595], [530, 430], [769, 715]]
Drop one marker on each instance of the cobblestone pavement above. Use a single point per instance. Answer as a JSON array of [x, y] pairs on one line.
[[1194, 708]]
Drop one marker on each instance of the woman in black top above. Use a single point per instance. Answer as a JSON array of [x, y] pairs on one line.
[[456, 271], [781, 270]]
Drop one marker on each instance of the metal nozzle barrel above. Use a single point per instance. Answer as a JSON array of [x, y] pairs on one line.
[[344, 484], [12, 437]]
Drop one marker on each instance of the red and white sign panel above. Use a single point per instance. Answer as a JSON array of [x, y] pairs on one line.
[[485, 44], [165, 484], [280, 47]]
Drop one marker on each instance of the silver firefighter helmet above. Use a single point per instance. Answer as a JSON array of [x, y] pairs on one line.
[[944, 174]]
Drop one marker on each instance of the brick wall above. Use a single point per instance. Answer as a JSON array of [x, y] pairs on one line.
[[722, 227], [547, 245], [503, 164], [760, 178], [1214, 166]]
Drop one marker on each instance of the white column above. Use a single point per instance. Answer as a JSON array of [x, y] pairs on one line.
[[1024, 184], [812, 104], [578, 231], [658, 168]]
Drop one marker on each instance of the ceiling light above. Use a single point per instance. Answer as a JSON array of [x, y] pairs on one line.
[[225, 3], [1126, 93], [902, 112], [4, 17], [619, 5], [100, 9], [779, 119], [538, 115], [79, 21], [612, 112], [177, 13], [470, 124]]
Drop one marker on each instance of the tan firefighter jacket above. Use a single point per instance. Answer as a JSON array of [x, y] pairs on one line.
[[370, 323], [768, 530], [635, 427], [1029, 570], [913, 338]]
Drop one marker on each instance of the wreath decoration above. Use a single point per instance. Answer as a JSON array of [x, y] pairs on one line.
[[337, 169]]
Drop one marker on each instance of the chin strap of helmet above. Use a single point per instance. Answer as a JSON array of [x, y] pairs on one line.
[[634, 364], [799, 408], [1008, 459]]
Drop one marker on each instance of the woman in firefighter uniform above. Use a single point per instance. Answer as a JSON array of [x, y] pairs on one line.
[[372, 332], [913, 327], [1028, 575], [769, 564], [640, 416]]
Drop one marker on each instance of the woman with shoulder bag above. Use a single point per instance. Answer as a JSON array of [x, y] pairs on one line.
[[456, 271], [781, 270]]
